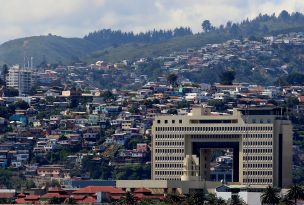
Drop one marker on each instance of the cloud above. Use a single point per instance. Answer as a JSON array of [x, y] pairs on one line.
[[75, 18]]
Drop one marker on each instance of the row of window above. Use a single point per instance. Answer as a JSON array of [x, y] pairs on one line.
[[258, 151], [161, 165], [213, 121], [169, 143], [166, 158], [173, 136], [267, 165], [168, 151], [172, 121], [257, 180], [257, 173], [215, 136], [262, 151], [257, 136], [255, 143], [162, 178], [168, 173], [214, 129]]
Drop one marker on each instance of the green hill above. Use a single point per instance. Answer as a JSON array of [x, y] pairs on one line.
[[139, 50], [114, 46], [53, 49]]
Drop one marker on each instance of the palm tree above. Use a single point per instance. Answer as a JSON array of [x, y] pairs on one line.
[[173, 199], [295, 192], [220, 201], [236, 200], [129, 199], [196, 197], [270, 196], [172, 79], [286, 201], [212, 199]]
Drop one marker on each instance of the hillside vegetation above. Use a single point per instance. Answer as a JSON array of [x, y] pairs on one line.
[[45, 49], [113, 46], [262, 25]]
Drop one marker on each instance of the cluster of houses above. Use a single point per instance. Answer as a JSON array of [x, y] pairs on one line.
[[102, 122], [84, 195], [207, 57], [116, 124]]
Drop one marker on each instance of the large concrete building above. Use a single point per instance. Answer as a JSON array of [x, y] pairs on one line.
[[20, 79], [261, 140]]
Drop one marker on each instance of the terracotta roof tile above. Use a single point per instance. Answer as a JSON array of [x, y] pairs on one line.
[[142, 190], [95, 189]]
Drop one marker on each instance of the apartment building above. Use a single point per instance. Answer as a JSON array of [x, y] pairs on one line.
[[261, 140], [20, 79]]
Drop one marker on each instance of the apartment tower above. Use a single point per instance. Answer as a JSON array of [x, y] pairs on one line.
[[20, 79]]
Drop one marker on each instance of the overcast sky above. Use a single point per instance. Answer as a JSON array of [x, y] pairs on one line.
[[75, 18]]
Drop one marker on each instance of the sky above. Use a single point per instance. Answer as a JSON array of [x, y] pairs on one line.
[[76, 18]]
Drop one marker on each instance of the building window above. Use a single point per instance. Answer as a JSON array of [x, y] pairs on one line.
[[180, 121], [173, 121], [158, 121], [166, 121]]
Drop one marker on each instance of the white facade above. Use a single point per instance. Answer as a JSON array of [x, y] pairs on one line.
[[19, 79], [261, 137]]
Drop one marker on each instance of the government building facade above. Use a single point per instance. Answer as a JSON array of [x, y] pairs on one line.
[[261, 140]]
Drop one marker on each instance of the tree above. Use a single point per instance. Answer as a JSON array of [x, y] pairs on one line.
[[234, 30], [292, 102], [286, 201], [70, 200], [295, 79], [172, 111], [132, 172], [107, 95], [134, 109], [172, 79], [128, 199], [54, 183], [149, 201], [54, 200], [207, 26], [270, 196], [5, 178], [29, 183], [218, 104], [196, 197], [20, 104], [284, 15], [212, 199], [236, 200], [295, 192], [227, 77], [173, 199]]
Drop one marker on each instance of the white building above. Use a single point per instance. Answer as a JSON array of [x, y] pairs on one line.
[[20, 79]]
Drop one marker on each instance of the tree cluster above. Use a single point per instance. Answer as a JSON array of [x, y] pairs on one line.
[[108, 36], [262, 24]]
